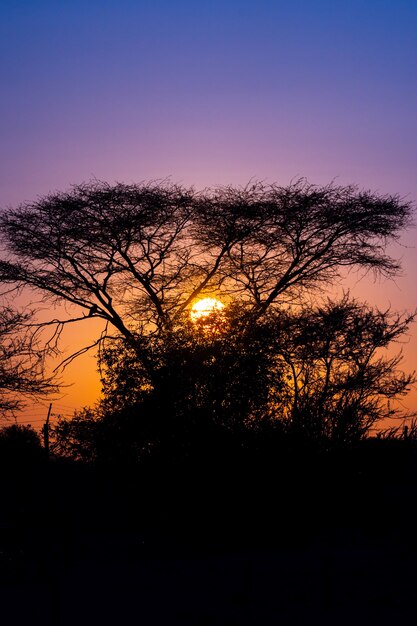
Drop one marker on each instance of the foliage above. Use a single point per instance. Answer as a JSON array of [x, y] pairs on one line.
[[318, 375], [341, 383], [188, 389], [19, 444], [76, 438]]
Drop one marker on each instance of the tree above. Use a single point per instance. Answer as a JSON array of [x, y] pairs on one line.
[[137, 256], [339, 383], [21, 362], [19, 446], [76, 438]]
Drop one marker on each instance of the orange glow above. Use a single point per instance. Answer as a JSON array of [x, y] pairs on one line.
[[203, 310]]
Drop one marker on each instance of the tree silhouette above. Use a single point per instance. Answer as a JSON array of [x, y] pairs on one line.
[[138, 256], [340, 383], [19, 445], [76, 438], [21, 362]]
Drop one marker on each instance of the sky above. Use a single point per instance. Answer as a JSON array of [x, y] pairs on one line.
[[211, 93]]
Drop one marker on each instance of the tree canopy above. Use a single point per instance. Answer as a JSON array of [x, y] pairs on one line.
[[138, 255]]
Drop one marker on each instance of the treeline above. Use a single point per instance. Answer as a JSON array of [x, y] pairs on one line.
[[272, 491]]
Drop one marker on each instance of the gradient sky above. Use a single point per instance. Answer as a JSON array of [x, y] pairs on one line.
[[211, 93]]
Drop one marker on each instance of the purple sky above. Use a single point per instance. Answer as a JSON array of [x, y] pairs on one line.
[[212, 93]]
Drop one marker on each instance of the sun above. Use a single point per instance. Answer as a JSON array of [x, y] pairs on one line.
[[204, 310]]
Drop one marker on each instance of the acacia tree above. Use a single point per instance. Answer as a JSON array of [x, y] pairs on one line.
[[136, 256]]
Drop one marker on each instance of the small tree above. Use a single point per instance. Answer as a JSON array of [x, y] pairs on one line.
[[19, 446], [21, 362], [340, 384]]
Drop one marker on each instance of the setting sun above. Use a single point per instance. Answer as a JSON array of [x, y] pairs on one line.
[[204, 309]]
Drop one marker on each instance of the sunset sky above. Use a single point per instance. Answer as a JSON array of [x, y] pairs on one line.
[[210, 93]]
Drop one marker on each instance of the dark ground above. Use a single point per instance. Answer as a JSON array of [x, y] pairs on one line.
[[323, 538]]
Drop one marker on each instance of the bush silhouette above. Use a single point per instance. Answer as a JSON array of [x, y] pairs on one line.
[[20, 445]]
